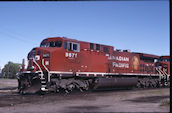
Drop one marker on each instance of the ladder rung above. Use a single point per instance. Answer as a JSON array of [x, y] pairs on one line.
[[44, 89], [44, 86], [43, 81]]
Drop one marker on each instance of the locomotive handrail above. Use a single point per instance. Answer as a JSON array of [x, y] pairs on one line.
[[39, 68], [162, 73], [165, 72], [167, 76], [47, 70], [157, 69]]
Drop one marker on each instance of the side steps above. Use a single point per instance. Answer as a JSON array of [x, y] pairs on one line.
[[43, 83]]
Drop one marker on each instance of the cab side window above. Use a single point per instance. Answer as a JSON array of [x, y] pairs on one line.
[[72, 46], [65, 45], [106, 49], [97, 47], [75, 47], [91, 46]]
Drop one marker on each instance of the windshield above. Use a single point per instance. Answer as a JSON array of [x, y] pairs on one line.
[[55, 44], [164, 60], [51, 44], [43, 44]]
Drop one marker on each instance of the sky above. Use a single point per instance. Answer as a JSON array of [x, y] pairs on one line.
[[140, 26]]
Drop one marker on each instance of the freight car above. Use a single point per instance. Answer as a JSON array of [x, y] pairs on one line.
[[65, 64]]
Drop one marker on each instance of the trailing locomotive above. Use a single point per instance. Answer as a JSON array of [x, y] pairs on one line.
[[65, 64]]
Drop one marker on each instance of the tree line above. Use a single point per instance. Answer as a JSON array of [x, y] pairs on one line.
[[10, 70]]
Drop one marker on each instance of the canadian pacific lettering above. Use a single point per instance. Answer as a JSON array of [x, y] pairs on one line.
[[121, 65], [119, 58]]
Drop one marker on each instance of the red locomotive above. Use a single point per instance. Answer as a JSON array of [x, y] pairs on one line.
[[65, 64]]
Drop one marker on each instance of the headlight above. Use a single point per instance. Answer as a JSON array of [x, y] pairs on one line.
[[46, 62], [31, 68], [47, 55], [37, 57]]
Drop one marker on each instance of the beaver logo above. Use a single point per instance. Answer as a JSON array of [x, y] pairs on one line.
[[135, 63]]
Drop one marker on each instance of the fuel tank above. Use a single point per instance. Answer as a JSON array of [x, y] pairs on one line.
[[121, 82]]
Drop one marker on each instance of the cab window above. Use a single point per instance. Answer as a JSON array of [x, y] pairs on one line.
[[65, 45], [55, 44], [91, 46], [43, 44], [75, 47], [58, 44], [72, 46], [97, 47], [105, 49], [38, 52]]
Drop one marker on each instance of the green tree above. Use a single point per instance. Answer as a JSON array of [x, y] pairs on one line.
[[10, 70]]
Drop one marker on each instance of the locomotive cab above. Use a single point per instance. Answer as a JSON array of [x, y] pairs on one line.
[[38, 54]]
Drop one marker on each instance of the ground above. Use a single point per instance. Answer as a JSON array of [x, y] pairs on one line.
[[142, 100]]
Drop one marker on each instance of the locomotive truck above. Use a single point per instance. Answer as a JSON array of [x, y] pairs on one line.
[[64, 64]]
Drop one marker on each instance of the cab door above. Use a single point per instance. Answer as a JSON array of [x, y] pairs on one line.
[[72, 55]]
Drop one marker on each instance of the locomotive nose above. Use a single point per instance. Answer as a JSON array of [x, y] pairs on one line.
[[35, 57], [32, 54], [38, 53]]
